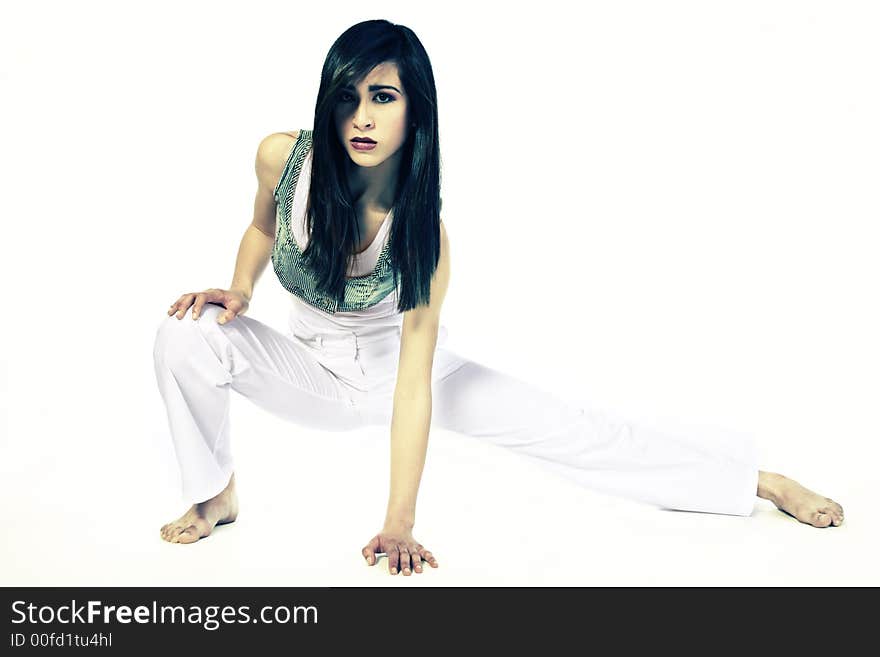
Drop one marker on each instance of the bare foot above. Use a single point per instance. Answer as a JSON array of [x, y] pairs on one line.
[[201, 519], [795, 500]]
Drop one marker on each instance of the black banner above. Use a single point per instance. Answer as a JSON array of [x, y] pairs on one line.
[[133, 620]]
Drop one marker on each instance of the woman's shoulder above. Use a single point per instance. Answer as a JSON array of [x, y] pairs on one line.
[[272, 154], [278, 144]]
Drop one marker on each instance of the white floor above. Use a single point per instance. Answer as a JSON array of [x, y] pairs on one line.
[[706, 251], [91, 517]]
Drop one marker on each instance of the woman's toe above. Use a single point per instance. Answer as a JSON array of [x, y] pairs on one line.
[[821, 519], [188, 535], [834, 511]]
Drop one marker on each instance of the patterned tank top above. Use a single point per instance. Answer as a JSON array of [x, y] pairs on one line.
[[295, 276]]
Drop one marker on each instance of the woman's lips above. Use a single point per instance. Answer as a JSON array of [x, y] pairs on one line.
[[363, 145]]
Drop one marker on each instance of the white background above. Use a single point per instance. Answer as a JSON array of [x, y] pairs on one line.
[[667, 210]]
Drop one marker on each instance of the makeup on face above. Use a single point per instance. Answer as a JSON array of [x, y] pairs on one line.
[[379, 96], [363, 145]]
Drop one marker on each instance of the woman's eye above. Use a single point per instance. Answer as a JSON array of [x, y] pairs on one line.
[[346, 97]]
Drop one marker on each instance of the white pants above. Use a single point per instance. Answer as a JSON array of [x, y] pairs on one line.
[[337, 381]]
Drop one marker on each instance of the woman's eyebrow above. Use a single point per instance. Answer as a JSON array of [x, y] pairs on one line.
[[374, 87]]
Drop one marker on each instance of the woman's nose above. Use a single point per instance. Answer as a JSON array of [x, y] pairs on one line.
[[362, 118]]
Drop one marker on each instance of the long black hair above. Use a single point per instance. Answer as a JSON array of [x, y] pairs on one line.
[[331, 215]]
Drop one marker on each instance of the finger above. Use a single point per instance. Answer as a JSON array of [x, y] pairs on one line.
[[201, 297], [208, 296], [417, 559], [174, 306], [405, 559], [197, 305], [226, 316], [233, 305], [393, 559], [184, 303], [427, 556], [370, 550]]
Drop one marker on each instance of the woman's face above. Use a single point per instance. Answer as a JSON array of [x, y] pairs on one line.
[[375, 109]]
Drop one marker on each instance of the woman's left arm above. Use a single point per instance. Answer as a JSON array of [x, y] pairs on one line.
[[410, 426]]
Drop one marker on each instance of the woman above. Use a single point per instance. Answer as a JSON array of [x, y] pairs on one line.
[[349, 214]]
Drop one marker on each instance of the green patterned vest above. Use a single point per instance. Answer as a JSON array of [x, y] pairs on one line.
[[360, 292]]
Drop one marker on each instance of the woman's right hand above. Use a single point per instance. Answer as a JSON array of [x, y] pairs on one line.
[[235, 302]]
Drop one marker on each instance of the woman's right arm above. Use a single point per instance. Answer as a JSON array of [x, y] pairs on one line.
[[255, 249], [259, 238]]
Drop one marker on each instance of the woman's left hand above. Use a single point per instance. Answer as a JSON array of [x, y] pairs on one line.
[[403, 551]]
